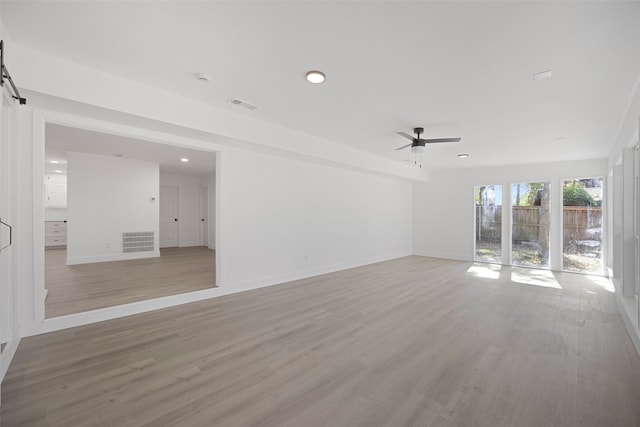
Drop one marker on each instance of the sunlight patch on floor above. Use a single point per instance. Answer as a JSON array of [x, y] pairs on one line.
[[535, 277], [602, 282], [487, 271]]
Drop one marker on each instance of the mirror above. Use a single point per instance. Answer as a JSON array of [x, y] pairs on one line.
[[125, 220]]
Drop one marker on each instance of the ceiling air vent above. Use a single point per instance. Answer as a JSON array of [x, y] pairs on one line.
[[240, 103]]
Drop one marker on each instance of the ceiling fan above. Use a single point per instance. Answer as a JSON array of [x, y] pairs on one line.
[[418, 144]]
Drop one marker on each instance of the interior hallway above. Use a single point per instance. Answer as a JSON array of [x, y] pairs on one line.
[[83, 287]]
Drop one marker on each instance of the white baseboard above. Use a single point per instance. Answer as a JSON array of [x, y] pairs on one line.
[[189, 244], [85, 318], [115, 257], [456, 257], [303, 274], [8, 353], [628, 308], [102, 314]]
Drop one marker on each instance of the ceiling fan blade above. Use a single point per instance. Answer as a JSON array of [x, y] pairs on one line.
[[404, 146], [437, 140], [406, 135]]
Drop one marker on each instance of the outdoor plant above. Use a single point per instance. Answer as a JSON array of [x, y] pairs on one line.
[[574, 194]]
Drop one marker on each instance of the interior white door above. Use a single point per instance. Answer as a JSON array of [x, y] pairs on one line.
[[168, 216], [5, 262], [204, 215]]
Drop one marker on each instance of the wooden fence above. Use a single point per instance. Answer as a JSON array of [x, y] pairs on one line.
[[582, 223], [579, 223]]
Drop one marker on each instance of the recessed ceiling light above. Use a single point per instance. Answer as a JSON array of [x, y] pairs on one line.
[[315, 77], [55, 162], [184, 159], [58, 171], [542, 75], [203, 78], [463, 156]]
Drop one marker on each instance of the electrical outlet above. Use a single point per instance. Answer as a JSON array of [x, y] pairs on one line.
[[107, 245]]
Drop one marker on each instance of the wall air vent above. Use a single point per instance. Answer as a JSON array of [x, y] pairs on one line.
[[139, 241], [240, 103]]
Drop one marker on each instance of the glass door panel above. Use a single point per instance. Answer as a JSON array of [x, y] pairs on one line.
[[530, 224], [582, 225], [488, 201]]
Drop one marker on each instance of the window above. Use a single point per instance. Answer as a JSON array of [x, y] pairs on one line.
[[488, 205], [530, 224]]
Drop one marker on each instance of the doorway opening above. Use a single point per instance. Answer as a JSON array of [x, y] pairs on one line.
[[108, 238]]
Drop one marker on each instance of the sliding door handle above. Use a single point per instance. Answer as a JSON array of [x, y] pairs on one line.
[[10, 235]]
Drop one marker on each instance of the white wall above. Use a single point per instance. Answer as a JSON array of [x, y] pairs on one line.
[[188, 207], [277, 219], [282, 219], [624, 265], [443, 216], [107, 196]]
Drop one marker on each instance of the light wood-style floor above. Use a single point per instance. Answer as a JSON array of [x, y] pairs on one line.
[[78, 288], [410, 342]]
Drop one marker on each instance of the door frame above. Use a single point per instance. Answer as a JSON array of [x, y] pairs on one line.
[[39, 324], [10, 333], [177, 216], [204, 216]]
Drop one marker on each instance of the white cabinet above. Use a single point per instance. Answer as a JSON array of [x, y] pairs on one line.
[[55, 233], [55, 191]]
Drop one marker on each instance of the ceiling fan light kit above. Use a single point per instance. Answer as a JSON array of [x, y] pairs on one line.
[[418, 145]]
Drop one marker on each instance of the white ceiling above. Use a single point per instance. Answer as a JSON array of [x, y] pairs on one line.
[[456, 68], [61, 139]]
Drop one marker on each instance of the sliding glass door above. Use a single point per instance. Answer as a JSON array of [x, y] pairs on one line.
[[488, 239], [530, 221], [582, 225]]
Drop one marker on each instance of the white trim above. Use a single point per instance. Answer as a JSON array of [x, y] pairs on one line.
[[38, 216], [218, 231], [7, 354], [456, 257], [303, 274], [627, 308], [39, 324], [94, 316], [116, 257], [189, 244]]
